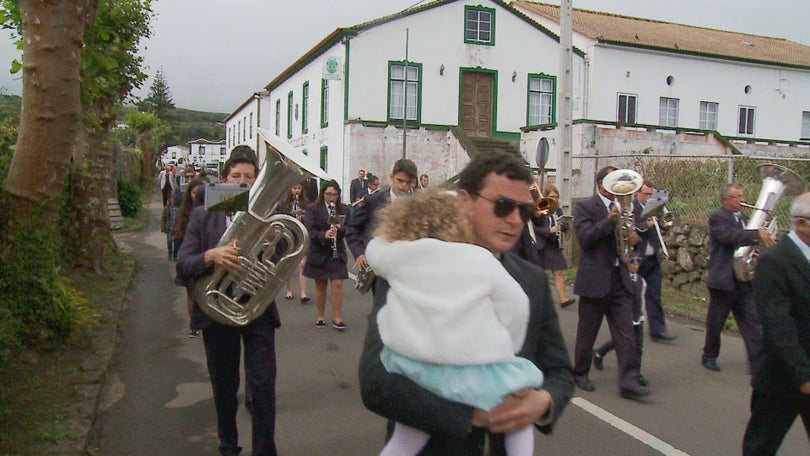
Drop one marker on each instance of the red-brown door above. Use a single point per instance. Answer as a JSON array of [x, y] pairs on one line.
[[476, 103]]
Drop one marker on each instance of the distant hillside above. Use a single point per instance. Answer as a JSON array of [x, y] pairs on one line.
[[185, 125]]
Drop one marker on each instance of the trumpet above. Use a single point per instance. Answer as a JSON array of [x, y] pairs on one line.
[[543, 206]]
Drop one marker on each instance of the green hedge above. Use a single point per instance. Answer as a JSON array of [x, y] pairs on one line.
[[129, 198]]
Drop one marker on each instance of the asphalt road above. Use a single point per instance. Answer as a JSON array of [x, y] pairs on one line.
[[158, 398]]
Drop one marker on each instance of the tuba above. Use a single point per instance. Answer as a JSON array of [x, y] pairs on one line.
[[270, 248], [623, 183], [777, 181]]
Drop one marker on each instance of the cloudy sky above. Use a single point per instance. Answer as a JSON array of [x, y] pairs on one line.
[[215, 53]]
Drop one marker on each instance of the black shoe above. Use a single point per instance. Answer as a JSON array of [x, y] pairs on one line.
[[192, 333], [642, 380], [567, 303], [710, 364], [339, 325], [635, 393], [320, 324], [304, 300], [597, 361], [663, 337], [584, 383]]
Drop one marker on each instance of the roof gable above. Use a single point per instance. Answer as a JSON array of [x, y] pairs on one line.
[[338, 34], [630, 31]]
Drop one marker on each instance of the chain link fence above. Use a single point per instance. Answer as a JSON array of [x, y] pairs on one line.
[[693, 182]]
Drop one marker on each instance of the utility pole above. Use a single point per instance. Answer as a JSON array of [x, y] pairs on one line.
[[405, 99], [565, 91]]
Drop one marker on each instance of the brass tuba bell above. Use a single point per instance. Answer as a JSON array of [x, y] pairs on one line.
[[543, 206], [623, 183]]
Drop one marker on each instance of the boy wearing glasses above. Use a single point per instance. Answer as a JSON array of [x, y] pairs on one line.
[[606, 291], [494, 191]]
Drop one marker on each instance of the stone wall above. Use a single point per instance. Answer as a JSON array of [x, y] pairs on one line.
[[687, 266]]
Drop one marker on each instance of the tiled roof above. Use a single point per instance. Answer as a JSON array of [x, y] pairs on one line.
[[655, 34]]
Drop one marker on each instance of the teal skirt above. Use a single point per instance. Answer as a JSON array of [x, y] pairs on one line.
[[482, 386]]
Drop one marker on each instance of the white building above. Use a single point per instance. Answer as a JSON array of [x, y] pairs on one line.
[[203, 153], [487, 69]]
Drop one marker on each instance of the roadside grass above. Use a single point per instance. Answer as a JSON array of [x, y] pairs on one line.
[[38, 387]]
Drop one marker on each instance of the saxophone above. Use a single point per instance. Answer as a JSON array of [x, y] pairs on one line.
[[777, 181], [623, 183], [270, 248]]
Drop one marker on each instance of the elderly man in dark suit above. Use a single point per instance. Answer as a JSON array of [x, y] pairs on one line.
[[727, 232], [357, 187], [361, 224], [650, 268], [781, 376], [494, 189], [605, 289], [198, 255]]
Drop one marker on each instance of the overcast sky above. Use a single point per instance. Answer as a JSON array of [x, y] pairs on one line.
[[215, 53]]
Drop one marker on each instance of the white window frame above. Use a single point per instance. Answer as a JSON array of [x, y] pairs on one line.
[[630, 100], [708, 115], [668, 111], [747, 114], [805, 125], [541, 100]]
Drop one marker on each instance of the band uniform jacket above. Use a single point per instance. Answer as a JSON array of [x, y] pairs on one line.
[[361, 226], [316, 219], [726, 234], [205, 229], [596, 235], [398, 398], [782, 293]]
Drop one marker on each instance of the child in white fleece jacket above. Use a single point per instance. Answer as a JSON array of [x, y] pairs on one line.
[[453, 318]]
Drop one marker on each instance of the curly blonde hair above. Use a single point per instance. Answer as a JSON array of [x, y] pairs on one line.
[[431, 213]]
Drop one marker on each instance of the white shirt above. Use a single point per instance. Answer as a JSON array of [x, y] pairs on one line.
[[804, 248]]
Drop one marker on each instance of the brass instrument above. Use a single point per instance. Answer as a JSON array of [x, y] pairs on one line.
[[777, 181], [662, 218], [623, 183], [543, 206], [270, 249]]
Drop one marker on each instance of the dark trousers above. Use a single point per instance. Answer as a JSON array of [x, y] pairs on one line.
[[740, 302], [771, 418], [605, 348], [650, 270], [222, 349], [165, 192], [617, 308]]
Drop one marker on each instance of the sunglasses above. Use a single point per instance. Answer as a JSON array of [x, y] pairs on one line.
[[634, 260], [503, 207]]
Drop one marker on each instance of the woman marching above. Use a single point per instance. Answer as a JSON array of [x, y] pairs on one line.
[[549, 231], [294, 206], [326, 258]]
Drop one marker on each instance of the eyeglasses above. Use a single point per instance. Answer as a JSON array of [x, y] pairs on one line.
[[504, 206], [805, 217], [634, 260]]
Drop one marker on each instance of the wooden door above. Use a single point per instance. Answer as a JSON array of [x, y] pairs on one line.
[[476, 103]]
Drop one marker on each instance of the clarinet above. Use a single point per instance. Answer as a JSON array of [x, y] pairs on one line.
[[294, 208], [332, 223], [558, 234]]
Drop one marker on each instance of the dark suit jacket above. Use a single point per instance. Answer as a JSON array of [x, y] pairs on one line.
[[316, 219], [542, 230], [203, 233], [597, 238], [725, 235], [361, 225], [398, 398], [356, 189], [782, 293]]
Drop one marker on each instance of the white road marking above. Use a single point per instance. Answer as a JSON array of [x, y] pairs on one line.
[[629, 429]]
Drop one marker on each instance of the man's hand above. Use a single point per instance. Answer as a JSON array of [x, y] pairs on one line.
[[518, 410], [765, 237], [226, 256], [805, 388], [614, 214], [361, 262]]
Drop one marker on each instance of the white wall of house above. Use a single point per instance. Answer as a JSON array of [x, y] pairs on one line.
[[240, 127], [436, 39], [779, 95], [202, 153]]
